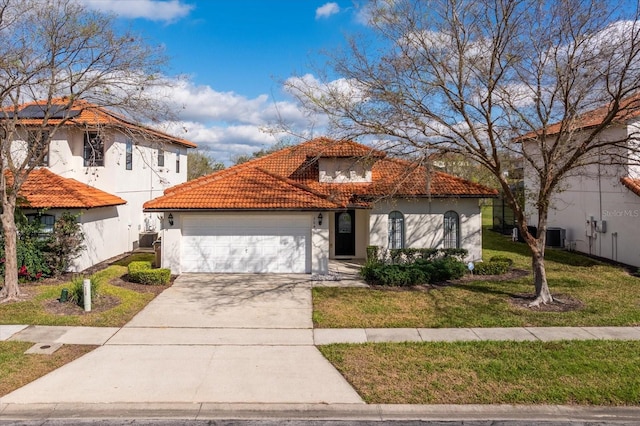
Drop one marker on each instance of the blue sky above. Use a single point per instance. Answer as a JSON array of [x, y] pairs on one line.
[[235, 55]]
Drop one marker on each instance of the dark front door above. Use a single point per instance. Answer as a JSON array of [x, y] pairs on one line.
[[345, 233]]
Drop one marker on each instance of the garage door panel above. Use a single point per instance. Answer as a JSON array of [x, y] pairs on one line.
[[245, 243]]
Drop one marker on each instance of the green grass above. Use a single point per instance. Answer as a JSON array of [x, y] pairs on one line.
[[33, 311], [609, 297], [567, 372], [17, 368]]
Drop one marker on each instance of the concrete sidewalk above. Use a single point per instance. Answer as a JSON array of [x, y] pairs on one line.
[[299, 336], [243, 347]]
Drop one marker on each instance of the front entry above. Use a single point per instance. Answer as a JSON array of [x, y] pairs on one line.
[[345, 235]]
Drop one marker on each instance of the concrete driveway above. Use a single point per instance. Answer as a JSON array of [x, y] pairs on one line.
[[208, 338]]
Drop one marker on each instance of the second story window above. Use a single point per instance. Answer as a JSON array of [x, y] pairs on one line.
[[160, 157], [177, 162], [37, 143], [93, 149], [129, 155]]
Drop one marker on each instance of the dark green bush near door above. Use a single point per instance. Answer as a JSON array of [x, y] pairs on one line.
[[413, 270]]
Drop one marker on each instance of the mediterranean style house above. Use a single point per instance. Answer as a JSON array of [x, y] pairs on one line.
[[293, 210], [597, 208], [102, 167]]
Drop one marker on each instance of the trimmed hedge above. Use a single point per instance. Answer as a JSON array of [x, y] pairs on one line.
[[409, 274], [142, 273], [491, 268], [409, 255]]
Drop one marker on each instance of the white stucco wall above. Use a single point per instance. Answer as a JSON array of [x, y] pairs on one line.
[[424, 223], [594, 192], [99, 240], [146, 180], [341, 170]]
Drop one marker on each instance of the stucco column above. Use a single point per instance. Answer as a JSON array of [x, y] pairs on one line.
[[171, 237], [320, 244]]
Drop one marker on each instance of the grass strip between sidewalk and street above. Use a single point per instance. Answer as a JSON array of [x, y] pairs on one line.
[[603, 373], [17, 368]]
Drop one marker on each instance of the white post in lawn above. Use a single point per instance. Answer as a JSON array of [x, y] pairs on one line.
[[86, 288]]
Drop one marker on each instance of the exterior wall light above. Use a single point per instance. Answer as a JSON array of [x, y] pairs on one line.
[[170, 219], [319, 219]]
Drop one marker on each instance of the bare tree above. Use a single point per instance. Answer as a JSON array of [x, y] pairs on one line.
[[200, 163], [487, 77], [62, 58]]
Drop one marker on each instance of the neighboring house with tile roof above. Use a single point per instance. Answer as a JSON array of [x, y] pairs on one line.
[[103, 166], [294, 209], [597, 209]]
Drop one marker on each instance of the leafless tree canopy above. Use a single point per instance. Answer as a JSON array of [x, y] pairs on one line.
[[55, 50], [480, 77]]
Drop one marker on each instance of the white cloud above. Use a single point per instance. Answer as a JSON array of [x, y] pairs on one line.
[[229, 124], [308, 87], [327, 10], [154, 10]]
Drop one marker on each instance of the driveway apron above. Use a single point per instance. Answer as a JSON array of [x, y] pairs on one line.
[[232, 338]]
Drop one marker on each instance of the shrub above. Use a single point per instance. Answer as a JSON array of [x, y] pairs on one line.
[[443, 269], [65, 243], [372, 254], [76, 292], [409, 274], [456, 253], [141, 272], [491, 268], [41, 254]]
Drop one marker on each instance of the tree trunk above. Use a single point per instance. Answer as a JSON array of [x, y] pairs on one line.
[[543, 295], [10, 289]]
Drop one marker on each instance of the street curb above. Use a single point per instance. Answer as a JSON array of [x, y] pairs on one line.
[[354, 412]]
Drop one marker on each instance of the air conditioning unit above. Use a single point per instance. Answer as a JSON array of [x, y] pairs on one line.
[[556, 237]]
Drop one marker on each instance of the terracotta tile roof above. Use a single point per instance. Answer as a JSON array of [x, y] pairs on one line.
[[45, 189], [629, 108], [632, 184], [289, 179], [84, 113]]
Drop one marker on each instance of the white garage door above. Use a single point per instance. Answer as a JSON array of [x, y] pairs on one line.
[[246, 243]]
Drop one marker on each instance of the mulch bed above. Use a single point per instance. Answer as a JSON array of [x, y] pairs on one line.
[[102, 302], [561, 303]]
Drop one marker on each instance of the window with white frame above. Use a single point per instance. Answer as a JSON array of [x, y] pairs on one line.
[[177, 162], [451, 230], [396, 230]]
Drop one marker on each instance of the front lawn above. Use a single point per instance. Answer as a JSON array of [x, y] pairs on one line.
[[118, 301], [594, 294], [567, 372]]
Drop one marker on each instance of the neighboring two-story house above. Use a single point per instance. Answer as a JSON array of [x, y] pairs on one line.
[[293, 210], [104, 167], [596, 209]]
